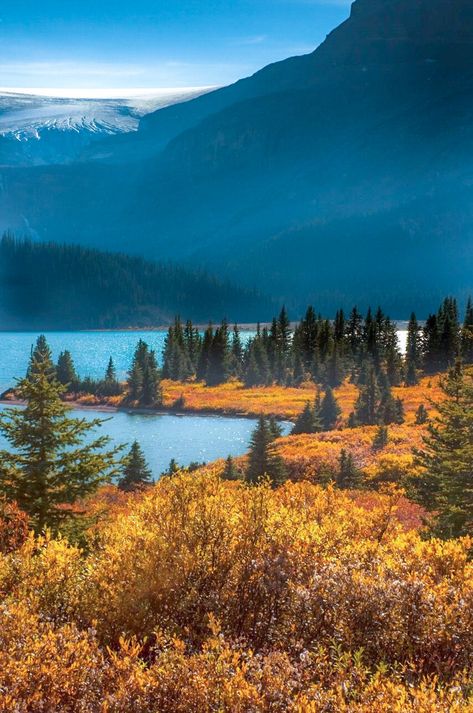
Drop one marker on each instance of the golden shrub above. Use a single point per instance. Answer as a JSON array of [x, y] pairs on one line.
[[204, 595]]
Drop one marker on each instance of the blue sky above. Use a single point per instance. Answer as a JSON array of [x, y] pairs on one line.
[[154, 43]]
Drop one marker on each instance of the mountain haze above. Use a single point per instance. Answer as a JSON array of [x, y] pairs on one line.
[[339, 176]]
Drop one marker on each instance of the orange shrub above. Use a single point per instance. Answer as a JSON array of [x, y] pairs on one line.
[[285, 402], [13, 527], [212, 595]]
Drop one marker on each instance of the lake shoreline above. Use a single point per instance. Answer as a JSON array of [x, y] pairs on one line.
[[143, 411]]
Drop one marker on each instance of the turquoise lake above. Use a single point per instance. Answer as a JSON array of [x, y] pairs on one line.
[[164, 436], [90, 350], [186, 438]]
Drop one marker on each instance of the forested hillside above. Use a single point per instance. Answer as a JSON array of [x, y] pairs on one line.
[[50, 286]]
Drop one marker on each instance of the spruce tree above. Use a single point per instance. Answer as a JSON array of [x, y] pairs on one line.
[[110, 385], [274, 427], [257, 370], [236, 353], [204, 355], [431, 346], [52, 462], [230, 472], [151, 392], [366, 407], [421, 415], [334, 372], [110, 372], [41, 354], [354, 331], [381, 438], [307, 421], [413, 352], [262, 459], [135, 382], [218, 358], [173, 468], [65, 370], [330, 410], [446, 487], [144, 385], [467, 334], [136, 472], [348, 476]]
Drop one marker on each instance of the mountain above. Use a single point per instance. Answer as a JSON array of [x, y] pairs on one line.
[[37, 130], [93, 289], [339, 176]]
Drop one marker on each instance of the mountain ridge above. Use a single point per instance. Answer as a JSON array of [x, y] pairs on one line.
[[368, 135]]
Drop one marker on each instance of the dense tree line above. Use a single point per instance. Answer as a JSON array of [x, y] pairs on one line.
[[51, 286], [325, 351]]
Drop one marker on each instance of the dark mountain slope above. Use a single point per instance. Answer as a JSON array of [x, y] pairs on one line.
[[335, 173], [50, 286]]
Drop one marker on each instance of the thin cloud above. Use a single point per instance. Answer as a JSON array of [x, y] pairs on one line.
[[249, 41]]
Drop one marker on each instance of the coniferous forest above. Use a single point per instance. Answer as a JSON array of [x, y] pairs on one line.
[[51, 286]]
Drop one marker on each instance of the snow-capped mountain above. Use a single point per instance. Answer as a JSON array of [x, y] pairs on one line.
[[36, 129]]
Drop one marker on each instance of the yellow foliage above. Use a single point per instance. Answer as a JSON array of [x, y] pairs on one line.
[[204, 595], [286, 402]]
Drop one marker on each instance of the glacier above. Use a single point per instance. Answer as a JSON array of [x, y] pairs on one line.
[[37, 129]]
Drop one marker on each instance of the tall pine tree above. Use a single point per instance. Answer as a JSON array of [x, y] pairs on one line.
[[53, 463], [446, 486]]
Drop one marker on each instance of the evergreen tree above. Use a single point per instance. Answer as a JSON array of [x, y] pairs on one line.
[[110, 372], [306, 335], [467, 334], [381, 438], [366, 407], [284, 332], [446, 488], [230, 472], [299, 373], [204, 356], [348, 476], [307, 421], [274, 427], [262, 459], [354, 331], [330, 410], [144, 379], [173, 468], [236, 354], [110, 385], [257, 370], [339, 326], [334, 373], [136, 472], [400, 415], [65, 370], [41, 354], [218, 357], [449, 332], [135, 382], [393, 361], [192, 347], [421, 415], [180, 351], [351, 421], [50, 464], [151, 392], [431, 345], [413, 352]]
